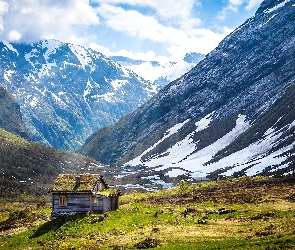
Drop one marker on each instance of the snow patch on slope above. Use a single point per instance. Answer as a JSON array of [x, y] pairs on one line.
[[168, 133], [195, 161], [58, 100], [178, 151], [8, 74], [9, 46], [176, 172], [29, 55], [108, 97], [51, 46], [204, 122], [125, 70], [118, 83], [268, 20], [82, 55], [34, 102], [280, 5], [258, 152], [87, 91], [46, 69]]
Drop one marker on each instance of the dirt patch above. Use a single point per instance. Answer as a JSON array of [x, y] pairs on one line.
[[19, 221]]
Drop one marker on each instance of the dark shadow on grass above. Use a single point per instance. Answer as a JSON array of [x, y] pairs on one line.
[[54, 225]]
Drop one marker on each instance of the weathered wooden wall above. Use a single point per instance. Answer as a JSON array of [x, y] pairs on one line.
[[82, 203], [76, 202], [99, 206], [110, 203]]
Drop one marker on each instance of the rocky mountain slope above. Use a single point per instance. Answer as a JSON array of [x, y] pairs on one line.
[[10, 115], [160, 73], [233, 114], [66, 91]]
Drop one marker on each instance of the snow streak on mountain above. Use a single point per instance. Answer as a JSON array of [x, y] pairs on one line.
[[233, 114], [66, 91]]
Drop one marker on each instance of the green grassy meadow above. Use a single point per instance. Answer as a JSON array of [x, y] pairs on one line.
[[244, 213]]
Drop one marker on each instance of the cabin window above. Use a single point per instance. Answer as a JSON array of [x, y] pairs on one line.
[[94, 201], [62, 201]]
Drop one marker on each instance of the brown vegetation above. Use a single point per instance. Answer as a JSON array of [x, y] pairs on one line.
[[241, 190]]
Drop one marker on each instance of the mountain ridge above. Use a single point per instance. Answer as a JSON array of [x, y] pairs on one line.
[[66, 91], [194, 117]]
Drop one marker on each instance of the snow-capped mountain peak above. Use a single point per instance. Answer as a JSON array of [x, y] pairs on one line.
[[66, 91]]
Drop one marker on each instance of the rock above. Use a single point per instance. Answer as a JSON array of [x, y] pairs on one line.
[[98, 219], [148, 243], [202, 222]]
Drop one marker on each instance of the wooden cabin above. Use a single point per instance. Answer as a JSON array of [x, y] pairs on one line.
[[82, 193]]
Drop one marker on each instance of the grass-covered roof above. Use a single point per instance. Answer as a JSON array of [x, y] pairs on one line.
[[68, 183], [109, 192]]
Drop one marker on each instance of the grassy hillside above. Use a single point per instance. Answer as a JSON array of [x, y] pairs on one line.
[[241, 213], [28, 169]]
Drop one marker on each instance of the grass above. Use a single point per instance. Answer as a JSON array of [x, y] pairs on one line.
[[168, 220]]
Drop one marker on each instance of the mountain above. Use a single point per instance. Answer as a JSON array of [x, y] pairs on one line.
[[233, 114], [160, 73], [10, 115], [193, 57], [66, 91]]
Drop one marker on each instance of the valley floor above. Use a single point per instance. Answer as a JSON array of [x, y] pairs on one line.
[[243, 213]]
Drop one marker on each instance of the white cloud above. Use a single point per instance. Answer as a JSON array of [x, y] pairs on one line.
[[168, 27], [3, 9], [222, 15], [34, 19], [138, 25], [180, 13], [147, 56], [234, 5], [101, 49], [236, 2], [181, 8], [135, 24], [203, 41], [253, 3], [14, 36]]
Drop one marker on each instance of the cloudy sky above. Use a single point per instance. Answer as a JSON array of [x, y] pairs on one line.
[[145, 29]]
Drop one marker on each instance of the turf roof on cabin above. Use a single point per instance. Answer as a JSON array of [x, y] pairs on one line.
[[67, 183], [109, 192]]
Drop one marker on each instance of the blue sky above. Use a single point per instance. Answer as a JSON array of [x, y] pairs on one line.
[[140, 29]]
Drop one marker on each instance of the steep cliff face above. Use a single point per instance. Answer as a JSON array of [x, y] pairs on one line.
[[10, 115], [223, 113], [66, 91]]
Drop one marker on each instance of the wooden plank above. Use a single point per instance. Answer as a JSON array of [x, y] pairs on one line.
[[82, 202]]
